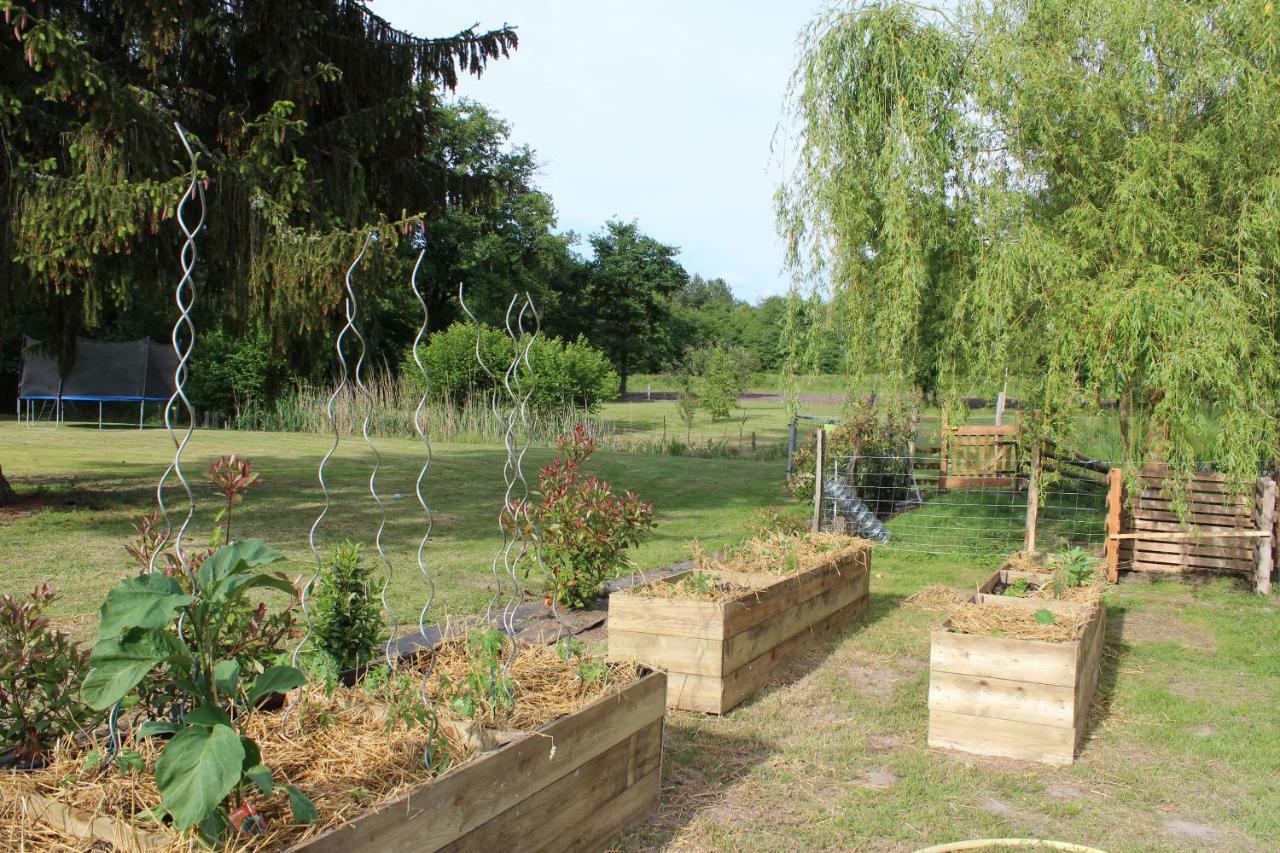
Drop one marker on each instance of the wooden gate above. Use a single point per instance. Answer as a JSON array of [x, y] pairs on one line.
[[1222, 533], [980, 457]]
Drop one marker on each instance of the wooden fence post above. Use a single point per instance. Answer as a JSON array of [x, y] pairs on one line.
[[944, 448], [819, 466], [1033, 501], [1265, 514], [1115, 497]]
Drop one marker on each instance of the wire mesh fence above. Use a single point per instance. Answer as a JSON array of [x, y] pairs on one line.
[[919, 508]]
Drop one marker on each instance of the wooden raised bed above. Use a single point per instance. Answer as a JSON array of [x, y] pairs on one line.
[[717, 653], [1025, 699], [575, 784]]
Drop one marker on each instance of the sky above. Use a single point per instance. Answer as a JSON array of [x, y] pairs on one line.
[[655, 111]]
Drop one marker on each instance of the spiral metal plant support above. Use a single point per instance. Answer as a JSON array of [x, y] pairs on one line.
[[419, 424], [497, 576], [365, 427], [518, 382], [184, 298]]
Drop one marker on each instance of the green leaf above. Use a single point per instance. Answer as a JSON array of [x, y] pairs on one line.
[[235, 558], [151, 728], [92, 759], [304, 811], [142, 601], [261, 776], [1045, 617], [276, 679], [129, 760], [239, 583], [119, 663], [208, 715], [226, 674], [197, 770]]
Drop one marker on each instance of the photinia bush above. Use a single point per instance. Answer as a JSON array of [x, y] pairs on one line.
[[40, 672], [582, 526]]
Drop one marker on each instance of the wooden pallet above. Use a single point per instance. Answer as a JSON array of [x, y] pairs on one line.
[[1023, 699], [717, 653], [576, 784]]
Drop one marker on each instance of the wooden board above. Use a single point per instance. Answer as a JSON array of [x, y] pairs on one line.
[[490, 789], [1023, 699], [761, 633]]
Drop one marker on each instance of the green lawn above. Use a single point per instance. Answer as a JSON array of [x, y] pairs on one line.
[[1183, 750], [766, 419], [96, 484]]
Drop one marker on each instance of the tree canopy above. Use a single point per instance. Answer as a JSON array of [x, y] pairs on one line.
[[1082, 193], [315, 121]]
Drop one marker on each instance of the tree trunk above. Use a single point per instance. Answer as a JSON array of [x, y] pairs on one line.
[[7, 494]]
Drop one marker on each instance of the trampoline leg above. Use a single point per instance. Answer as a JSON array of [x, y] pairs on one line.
[[99, 414], [142, 405]]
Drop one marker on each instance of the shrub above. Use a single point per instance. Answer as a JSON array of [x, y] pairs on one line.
[[566, 373], [875, 433], [229, 374], [348, 621], [40, 674], [582, 526], [725, 374]]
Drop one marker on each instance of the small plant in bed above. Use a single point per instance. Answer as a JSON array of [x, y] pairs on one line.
[[581, 525], [40, 674], [347, 625], [183, 629]]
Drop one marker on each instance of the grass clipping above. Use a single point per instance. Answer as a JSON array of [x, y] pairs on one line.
[[348, 751], [756, 563]]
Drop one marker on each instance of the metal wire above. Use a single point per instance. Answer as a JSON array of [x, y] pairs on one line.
[[313, 534], [420, 426], [906, 493], [493, 567], [184, 296]]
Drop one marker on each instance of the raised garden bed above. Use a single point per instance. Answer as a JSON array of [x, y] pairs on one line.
[[716, 653], [574, 783], [1015, 698]]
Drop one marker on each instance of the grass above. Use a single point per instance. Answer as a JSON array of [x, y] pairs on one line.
[[1182, 751], [95, 486]]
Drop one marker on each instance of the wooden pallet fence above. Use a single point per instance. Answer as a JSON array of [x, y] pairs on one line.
[[1023, 699], [718, 653], [1221, 532], [576, 784], [979, 457]]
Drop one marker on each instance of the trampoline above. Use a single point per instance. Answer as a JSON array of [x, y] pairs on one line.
[[104, 372]]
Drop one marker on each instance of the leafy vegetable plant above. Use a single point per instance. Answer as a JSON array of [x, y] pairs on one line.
[[1019, 588], [153, 621], [581, 524], [486, 693], [40, 672], [348, 620]]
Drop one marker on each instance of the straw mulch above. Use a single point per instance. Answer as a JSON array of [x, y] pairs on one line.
[[546, 686], [699, 586], [783, 554], [997, 619], [340, 751], [769, 557]]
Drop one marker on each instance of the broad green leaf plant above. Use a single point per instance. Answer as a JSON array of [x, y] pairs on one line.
[[151, 621]]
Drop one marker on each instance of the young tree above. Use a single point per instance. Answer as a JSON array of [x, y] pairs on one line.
[[627, 296], [1078, 192]]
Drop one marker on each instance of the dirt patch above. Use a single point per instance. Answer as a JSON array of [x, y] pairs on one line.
[[1063, 792], [1202, 731], [1143, 627], [879, 779], [998, 807], [26, 506], [1189, 831], [875, 677], [883, 743]]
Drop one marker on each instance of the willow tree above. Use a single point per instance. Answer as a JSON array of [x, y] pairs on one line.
[[315, 122], [1116, 190]]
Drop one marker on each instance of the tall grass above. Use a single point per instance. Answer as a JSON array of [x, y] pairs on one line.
[[390, 406]]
